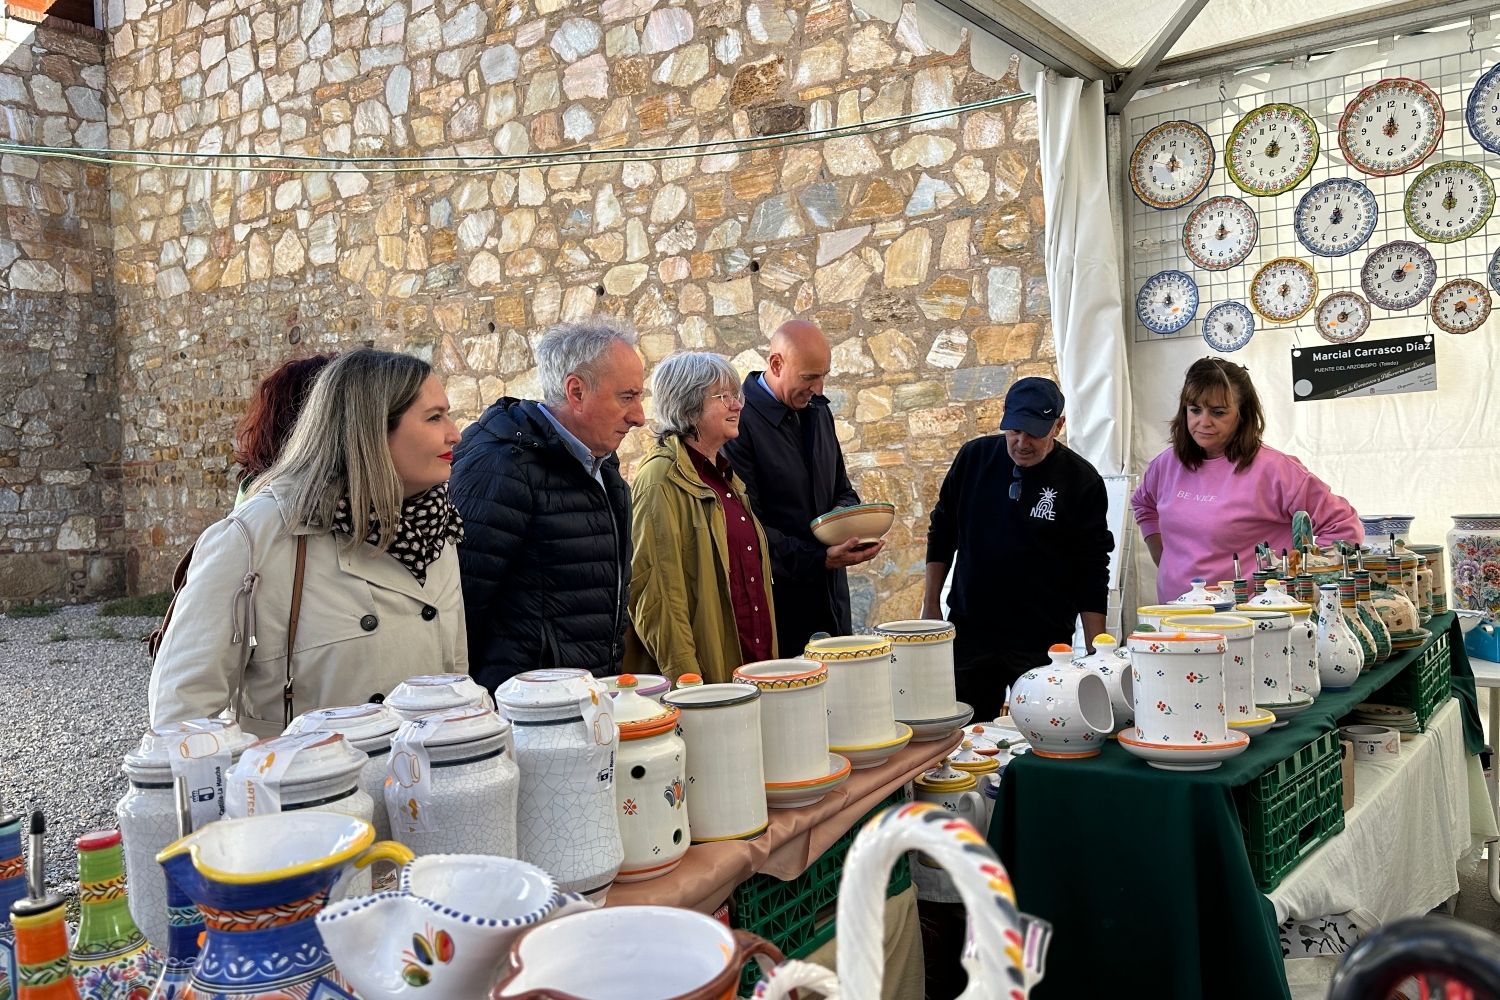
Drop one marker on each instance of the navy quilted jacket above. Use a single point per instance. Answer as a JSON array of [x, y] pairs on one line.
[[546, 555]]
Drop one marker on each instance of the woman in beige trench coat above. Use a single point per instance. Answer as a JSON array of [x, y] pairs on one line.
[[380, 599]]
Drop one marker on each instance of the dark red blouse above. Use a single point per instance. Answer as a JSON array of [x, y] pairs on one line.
[[747, 590]]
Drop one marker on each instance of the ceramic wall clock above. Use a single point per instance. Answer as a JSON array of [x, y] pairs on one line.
[[1450, 201], [1167, 302], [1220, 233], [1398, 275], [1392, 126], [1461, 306], [1342, 317], [1335, 217], [1493, 272], [1284, 289], [1271, 149], [1482, 113], [1228, 326], [1171, 164]]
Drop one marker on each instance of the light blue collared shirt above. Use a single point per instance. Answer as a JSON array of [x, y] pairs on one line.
[[577, 448], [765, 386]]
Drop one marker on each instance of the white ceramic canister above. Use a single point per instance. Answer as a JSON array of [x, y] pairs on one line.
[[204, 750], [861, 712], [1112, 664], [651, 686], [957, 791], [1245, 676], [1150, 617], [429, 693], [1302, 643], [1179, 686], [1273, 680], [453, 784], [563, 726], [650, 784], [368, 728], [303, 771], [922, 683], [1063, 710], [793, 717], [721, 727]]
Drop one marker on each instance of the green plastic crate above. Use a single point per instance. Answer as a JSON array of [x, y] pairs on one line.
[[1292, 808], [798, 916], [1426, 684]]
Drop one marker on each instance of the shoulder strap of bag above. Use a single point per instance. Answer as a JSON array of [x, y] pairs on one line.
[[291, 627], [179, 576]]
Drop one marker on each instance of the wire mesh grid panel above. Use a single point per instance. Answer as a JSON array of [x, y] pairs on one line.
[[1155, 237]]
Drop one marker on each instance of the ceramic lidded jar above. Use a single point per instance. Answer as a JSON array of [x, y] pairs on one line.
[[1248, 677], [1274, 596], [429, 693], [725, 775], [793, 717], [204, 750], [1435, 555], [368, 728], [1179, 686], [947, 787], [1301, 639], [563, 726], [1339, 657], [650, 784], [861, 712], [1202, 593], [452, 784], [1062, 710], [1272, 681], [1150, 617], [1474, 543], [651, 686], [922, 682], [1112, 664]]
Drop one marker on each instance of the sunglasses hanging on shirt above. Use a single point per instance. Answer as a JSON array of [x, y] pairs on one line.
[[1015, 484]]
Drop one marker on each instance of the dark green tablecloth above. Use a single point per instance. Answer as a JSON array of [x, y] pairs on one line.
[[1143, 872]]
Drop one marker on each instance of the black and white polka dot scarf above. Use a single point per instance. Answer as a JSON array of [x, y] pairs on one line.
[[428, 521]]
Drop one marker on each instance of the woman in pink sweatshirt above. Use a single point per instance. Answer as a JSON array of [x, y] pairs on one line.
[[1218, 490]]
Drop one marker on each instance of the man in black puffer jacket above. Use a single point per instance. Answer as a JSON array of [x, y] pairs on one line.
[[546, 553]]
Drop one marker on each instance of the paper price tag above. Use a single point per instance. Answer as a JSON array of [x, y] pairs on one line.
[[598, 711], [204, 760], [256, 786], [408, 780]]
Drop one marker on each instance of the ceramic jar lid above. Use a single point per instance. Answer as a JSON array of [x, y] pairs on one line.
[[638, 717], [423, 695], [966, 759], [539, 695], [316, 758], [847, 647], [689, 680], [1175, 642], [711, 696], [946, 778], [1232, 626], [456, 730], [782, 675], [650, 686], [366, 727], [916, 630], [1273, 596], [151, 759], [1280, 618]]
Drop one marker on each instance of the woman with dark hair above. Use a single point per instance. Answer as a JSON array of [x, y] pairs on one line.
[[263, 430], [1219, 490]]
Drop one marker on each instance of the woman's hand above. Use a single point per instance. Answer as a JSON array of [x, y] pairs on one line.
[[1153, 546]]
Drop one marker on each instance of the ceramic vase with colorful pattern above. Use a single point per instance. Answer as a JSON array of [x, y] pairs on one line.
[[1369, 617], [184, 928], [1349, 608], [12, 889], [110, 956], [1339, 657], [1474, 562], [1436, 561], [42, 967]]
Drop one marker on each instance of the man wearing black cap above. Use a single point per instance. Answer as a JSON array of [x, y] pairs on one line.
[[1026, 517]]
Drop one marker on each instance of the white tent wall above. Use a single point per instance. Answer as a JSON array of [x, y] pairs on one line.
[[1429, 454]]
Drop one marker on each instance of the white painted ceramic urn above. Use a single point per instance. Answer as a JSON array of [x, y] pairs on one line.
[[650, 784]]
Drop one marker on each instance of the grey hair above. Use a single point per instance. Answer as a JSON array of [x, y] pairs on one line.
[[680, 385], [576, 349], [339, 446]]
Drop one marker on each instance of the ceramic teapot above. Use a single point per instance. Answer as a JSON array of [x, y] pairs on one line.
[[446, 928], [949, 788], [1005, 954], [1063, 710]]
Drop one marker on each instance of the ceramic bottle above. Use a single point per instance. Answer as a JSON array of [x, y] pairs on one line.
[[12, 889], [1339, 657], [1369, 617], [110, 956], [650, 784], [184, 928], [42, 967], [1348, 607]]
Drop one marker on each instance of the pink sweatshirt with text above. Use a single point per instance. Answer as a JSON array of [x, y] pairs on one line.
[[1207, 516]]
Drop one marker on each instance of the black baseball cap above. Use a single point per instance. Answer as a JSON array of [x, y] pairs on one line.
[[1032, 406]]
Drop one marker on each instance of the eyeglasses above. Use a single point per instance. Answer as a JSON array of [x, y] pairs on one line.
[[729, 397], [1015, 484]]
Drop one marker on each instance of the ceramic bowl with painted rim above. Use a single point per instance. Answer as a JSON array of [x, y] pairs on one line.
[[866, 521], [794, 794]]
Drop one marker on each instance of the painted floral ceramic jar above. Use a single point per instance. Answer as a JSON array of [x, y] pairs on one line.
[[861, 711], [1274, 596], [1302, 643], [725, 775], [428, 693], [956, 791], [1436, 562], [922, 681], [1063, 710], [1474, 562], [563, 725], [452, 784], [1112, 664], [204, 750], [650, 785], [793, 717], [41, 949], [1252, 673], [111, 958], [1339, 657], [1179, 686], [369, 729]]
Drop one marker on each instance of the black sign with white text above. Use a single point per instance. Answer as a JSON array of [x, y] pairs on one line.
[[1364, 368]]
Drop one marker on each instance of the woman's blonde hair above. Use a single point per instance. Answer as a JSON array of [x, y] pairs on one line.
[[339, 446]]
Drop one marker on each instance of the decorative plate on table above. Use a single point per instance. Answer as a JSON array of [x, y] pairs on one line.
[[1482, 113], [1284, 710], [1398, 275], [1450, 201], [1220, 233], [1258, 723], [1392, 126], [1335, 217], [794, 794], [1410, 640], [1271, 149], [1461, 306], [1167, 302], [927, 730], [1171, 164], [1228, 326], [1183, 757], [1342, 317], [870, 754], [1284, 289]]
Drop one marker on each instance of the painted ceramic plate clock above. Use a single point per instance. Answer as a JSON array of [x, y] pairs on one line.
[[1228, 326], [1271, 149], [1342, 317], [1171, 164], [1398, 275], [1336, 216], [1483, 110], [1450, 201], [1494, 271], [1461, 306], [1167, 302], [1392, 126], [1284, 289], [1220, 233]]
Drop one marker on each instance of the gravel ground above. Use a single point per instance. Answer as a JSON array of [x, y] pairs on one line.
[[72, 702]]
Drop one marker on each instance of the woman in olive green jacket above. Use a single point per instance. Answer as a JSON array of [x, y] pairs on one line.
[[700, 577]]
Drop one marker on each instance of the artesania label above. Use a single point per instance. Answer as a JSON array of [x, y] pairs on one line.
[[1365, 368]]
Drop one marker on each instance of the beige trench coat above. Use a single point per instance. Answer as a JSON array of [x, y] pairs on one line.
[[366, 624]]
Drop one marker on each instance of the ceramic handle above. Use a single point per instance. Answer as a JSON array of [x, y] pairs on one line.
[[973, 803], [396, 853], [748, 946]]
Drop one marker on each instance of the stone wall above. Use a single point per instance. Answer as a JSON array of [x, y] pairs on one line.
[[917, 249], [61, 531]]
